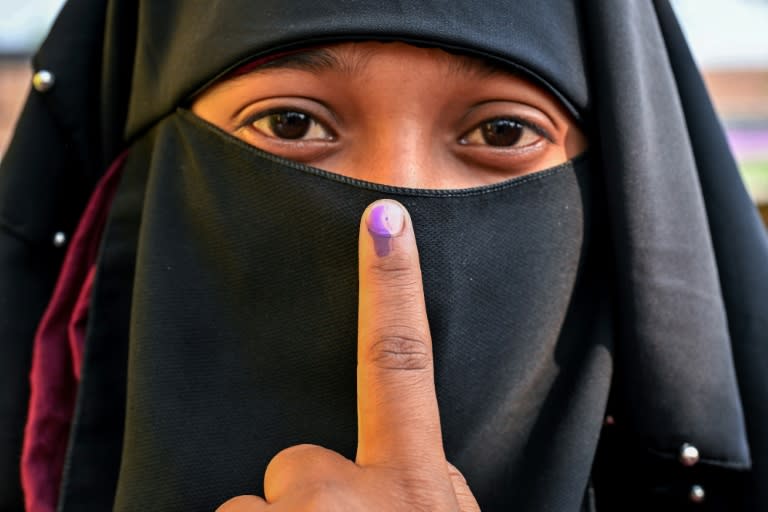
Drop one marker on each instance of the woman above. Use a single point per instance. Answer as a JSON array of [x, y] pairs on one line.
[[208, 301]]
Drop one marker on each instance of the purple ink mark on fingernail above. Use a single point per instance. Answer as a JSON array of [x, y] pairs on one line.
[[384, 221]]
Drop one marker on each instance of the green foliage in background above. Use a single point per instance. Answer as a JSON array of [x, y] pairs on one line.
[[755, 175]]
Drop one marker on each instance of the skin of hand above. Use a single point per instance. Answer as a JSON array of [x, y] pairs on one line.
[[400, 463]]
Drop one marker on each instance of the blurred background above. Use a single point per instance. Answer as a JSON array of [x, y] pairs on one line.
[[729, 39]]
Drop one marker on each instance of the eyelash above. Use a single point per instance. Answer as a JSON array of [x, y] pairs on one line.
[[518, 121], [254, 118]]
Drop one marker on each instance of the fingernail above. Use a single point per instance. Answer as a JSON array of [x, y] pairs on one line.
[[386, 219]]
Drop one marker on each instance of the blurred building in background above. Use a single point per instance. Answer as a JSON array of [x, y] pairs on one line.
[[729, 39]]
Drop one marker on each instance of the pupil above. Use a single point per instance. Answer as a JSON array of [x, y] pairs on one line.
[[290, 125], [502, 132]]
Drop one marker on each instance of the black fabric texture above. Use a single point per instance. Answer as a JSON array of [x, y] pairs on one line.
[[247, 270], [741, 247], [510, 32], [671, 306], [673, 318], [29, 273], [45, 179]]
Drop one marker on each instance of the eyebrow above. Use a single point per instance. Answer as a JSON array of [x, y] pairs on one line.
[[317, 60], [313, 60], [482, 67]]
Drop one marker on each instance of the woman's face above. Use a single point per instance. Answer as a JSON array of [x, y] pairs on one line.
[[396, 114]]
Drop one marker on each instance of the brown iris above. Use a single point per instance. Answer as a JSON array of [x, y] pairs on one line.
[[502, 132], [290, 125]]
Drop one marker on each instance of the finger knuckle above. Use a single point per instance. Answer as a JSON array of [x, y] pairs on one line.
[[289, 462], [401, 348], [396, 268], [288, 456], [301, 450]]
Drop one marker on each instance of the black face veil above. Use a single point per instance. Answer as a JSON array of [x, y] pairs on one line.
[[222, 321]]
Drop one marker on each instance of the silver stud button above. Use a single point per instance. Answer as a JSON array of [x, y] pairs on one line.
[[43, 80], [59, 239], [689, 455], [697, 494]]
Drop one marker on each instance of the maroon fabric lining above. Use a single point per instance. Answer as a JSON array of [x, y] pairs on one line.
[[78, 323], [57, 354]]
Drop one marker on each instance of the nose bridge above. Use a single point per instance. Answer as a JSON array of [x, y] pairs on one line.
[[400, 124], [400, 152]]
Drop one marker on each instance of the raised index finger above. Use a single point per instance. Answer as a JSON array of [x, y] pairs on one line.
[[398, 419]]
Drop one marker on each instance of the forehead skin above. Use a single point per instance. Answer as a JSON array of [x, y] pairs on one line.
[[352, 58]]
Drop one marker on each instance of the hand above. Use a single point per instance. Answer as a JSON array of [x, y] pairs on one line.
[[400, 462]]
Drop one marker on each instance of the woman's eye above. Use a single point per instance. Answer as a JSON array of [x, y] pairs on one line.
[[291, 125], [502, 132]]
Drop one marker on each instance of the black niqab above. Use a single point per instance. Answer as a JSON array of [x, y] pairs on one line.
[[247, 270]]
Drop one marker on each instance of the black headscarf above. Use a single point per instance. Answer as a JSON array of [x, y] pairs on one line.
[[205, 355]]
